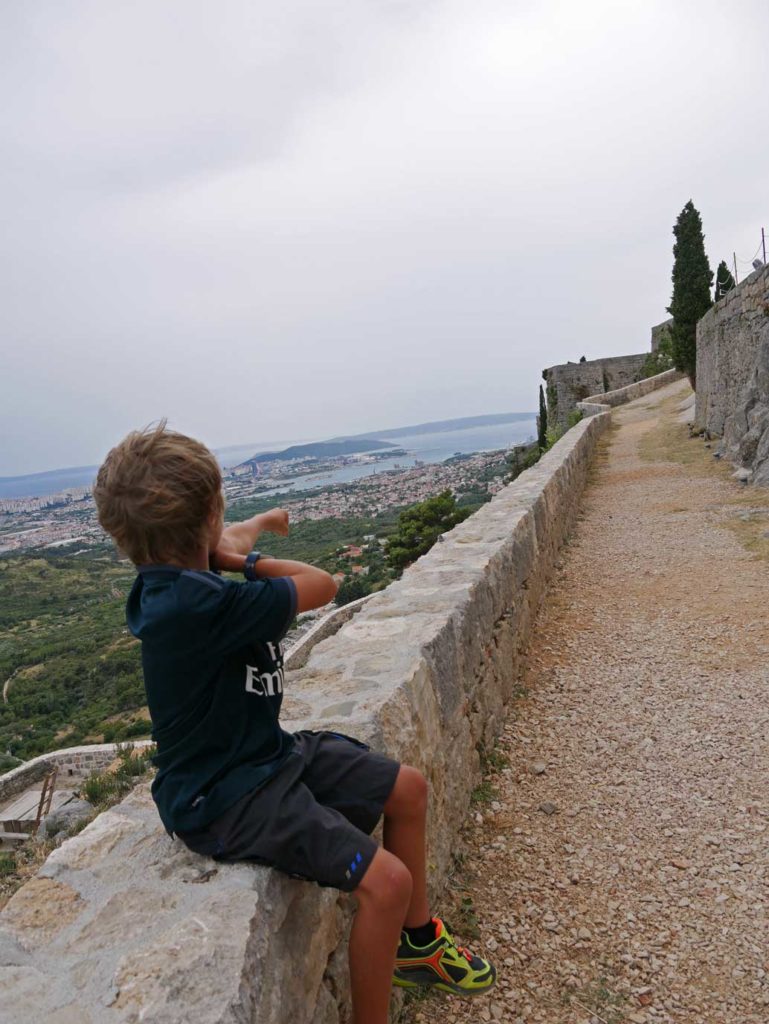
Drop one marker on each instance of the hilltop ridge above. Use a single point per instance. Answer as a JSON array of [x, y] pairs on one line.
[[441, 426]]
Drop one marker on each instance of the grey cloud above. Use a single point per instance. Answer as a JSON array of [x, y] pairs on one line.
[[306, 219]]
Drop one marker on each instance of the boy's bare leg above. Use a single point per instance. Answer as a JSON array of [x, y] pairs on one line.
[[404, 835], [383, 896]]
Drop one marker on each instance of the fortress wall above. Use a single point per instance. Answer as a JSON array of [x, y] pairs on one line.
[[571, 383], [659, 332], [122, 924], [733, 373]]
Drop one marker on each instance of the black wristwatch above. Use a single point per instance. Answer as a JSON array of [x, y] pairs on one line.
[[248, 568]]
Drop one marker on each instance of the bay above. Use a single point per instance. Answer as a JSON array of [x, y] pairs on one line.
[[419, 448], [433, 447]]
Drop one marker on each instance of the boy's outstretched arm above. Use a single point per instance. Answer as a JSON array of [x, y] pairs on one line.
[[240, 538], [314, 587]]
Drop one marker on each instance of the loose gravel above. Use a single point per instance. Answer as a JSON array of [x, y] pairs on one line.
[[617, 865]]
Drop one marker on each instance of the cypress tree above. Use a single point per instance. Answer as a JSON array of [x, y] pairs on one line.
[[692, 280], [724, 281], [542, 421]]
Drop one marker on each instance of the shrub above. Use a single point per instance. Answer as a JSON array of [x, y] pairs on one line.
[[420, 526], [104, 788], [352, 589], [7, 864], [659, 361], [554, 434], [8, 761]]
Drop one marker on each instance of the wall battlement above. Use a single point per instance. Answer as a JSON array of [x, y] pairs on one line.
[[568, 384]]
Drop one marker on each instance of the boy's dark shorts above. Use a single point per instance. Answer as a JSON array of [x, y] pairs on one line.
[[314, 818]]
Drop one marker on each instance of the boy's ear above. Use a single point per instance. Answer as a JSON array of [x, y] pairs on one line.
[[215, 523]]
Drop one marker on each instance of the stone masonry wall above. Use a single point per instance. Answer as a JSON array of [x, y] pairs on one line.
[[660, 331], [74, 764], [571, 383], [733, 374], [595, 404], [123, 925]]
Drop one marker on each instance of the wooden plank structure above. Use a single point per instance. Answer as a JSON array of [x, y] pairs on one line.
[[21, 817]]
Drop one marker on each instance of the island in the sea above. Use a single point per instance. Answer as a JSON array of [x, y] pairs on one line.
[[317, 450]]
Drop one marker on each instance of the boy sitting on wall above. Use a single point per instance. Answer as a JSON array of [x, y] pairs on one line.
[[231, 783]]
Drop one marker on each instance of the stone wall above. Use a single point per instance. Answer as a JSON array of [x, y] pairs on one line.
[[571, 383], [660, 331], [74, 765], [733, 374], [595, 404], [123, 925], [297, 656]]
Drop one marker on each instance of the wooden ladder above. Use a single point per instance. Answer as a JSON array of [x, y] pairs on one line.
[[46, 796]]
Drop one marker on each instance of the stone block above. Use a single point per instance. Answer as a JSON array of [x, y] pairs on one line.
[[41, 909], [89, 848]]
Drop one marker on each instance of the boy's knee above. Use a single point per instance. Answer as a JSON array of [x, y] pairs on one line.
[[387, 882], [409, 795]]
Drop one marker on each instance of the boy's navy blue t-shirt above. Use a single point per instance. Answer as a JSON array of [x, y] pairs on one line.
[[213, 672]]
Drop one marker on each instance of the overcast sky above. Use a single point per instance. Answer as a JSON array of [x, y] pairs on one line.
[[297, 219]]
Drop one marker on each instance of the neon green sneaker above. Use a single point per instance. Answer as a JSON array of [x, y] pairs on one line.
[[442, 965]]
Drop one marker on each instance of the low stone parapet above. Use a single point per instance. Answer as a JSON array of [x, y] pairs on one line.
[[595, 404], [122, 924], [296, 656], [73, 763]]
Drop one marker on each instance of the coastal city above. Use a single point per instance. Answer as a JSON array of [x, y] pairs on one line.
[[69, 517], [400, 487]]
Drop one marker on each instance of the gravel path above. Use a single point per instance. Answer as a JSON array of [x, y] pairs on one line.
[[620, 875]]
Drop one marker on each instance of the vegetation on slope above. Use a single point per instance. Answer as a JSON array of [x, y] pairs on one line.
[[70, 670]]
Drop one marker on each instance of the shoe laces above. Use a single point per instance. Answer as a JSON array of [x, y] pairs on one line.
[[463, 950]]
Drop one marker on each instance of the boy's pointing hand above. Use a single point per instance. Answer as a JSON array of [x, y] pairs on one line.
[[276, 521]]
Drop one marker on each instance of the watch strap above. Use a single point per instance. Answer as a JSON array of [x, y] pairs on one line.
[[248, 568]]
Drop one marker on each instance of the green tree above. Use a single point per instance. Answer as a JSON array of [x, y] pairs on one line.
[[542, 420], [724, 281], [420, 526], [351, 589], [692, 280]]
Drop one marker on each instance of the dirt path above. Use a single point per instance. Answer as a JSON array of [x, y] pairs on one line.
[[7, 685], [620, 873]]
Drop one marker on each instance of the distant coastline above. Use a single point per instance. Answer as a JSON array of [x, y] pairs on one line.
[[443, 426], [33, 485]]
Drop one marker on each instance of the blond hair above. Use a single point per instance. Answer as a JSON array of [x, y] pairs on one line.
[[156, 493]]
